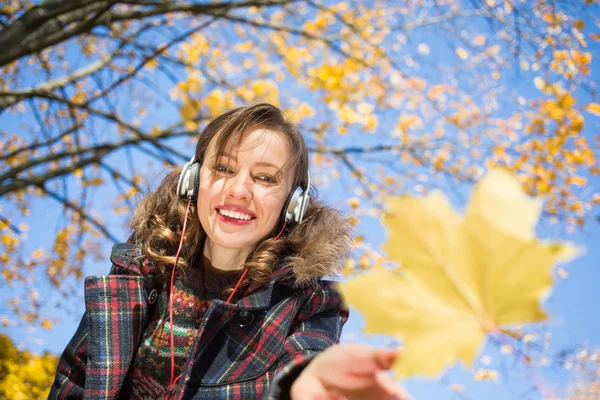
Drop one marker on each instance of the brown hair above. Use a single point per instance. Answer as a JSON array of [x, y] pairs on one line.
[[158, 219]]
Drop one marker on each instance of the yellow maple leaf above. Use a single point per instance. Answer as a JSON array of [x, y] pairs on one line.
[[463, 277]]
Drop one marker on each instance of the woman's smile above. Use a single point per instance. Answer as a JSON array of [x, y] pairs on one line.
[[235, 215]]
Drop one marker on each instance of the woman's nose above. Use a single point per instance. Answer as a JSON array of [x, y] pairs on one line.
[[240, 187]]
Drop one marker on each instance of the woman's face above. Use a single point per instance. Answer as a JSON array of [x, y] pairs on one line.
[[241, 195]]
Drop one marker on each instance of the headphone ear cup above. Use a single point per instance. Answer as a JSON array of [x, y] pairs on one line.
[[189, 181], [291, 204], [296, 206], [303, 201], [182, 184], [195, 181]]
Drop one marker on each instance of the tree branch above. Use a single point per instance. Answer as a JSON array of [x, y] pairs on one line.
[[8, 99], [99, 152], [80, 211], [10, 225], [39, 39], [210, 9], [44, 25]]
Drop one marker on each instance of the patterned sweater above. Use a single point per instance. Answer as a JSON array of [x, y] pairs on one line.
[[192, 295]]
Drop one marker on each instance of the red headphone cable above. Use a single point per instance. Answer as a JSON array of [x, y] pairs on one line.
[[173, 380], [281, 231]]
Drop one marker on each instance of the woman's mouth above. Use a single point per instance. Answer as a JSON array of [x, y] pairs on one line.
[[234, 217]]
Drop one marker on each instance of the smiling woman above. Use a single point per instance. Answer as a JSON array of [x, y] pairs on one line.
[[242, 194], [219, 292]]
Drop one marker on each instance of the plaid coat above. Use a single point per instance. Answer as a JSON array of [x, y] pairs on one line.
[[251, 349]]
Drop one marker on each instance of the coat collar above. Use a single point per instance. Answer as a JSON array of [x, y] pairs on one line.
[[317, 247], [125, 256], [258, 296]]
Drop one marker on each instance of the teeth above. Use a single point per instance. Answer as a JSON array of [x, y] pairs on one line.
[[235, 214]]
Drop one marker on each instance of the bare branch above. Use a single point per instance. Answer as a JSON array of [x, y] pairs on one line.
[[81, 212], [35, 37], [36, 145], [8, 99], [117, 175], [362, 179], [208, 9], [98, 153], [148, 58], [10, 225], [52, 23]]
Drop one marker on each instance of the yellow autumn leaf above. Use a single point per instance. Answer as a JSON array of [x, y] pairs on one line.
[[479, 40], [189, 109], [92, 182], [593, 108], [423, 49], [79, 97], [218, 101], [462, 278], [371, 123], [47, 324], [244, 47], [579, 24], [462, 53], [348, 114], [302, 112], [24, 375], [151, 64], [266, 90], [576, 180]]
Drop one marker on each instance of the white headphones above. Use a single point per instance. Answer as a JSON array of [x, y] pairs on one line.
[[294, 210]]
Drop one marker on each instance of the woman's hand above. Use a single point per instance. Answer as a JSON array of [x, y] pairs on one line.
[[349, 371]]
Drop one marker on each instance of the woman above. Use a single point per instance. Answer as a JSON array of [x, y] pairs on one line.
[[245, 313]]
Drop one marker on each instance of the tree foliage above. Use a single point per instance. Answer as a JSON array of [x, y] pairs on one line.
[[585, 380], [394, 97], [23, 375]]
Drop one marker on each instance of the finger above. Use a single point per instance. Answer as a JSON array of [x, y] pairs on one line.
[[368, 361], [391, 386], [384, 359], [365, 357], [309, 388]]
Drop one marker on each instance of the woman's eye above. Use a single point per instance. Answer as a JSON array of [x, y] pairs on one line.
[[266, 178], [222, 168]]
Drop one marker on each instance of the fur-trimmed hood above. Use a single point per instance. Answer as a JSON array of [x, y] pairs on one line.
[[321, 246]]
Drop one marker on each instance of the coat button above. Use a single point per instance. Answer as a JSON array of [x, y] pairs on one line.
[[153, 296], [245, 318]]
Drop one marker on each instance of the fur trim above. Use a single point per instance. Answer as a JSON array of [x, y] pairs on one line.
[[321, 247]]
